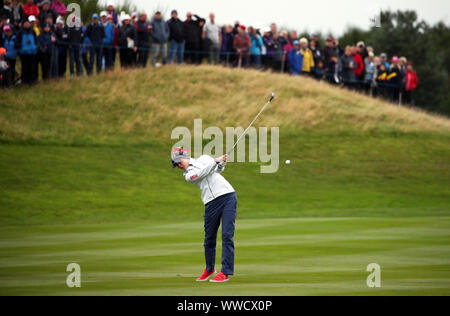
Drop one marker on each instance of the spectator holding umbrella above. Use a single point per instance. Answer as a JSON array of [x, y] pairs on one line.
[[411, 83], [295, 59], [29, 8], [160, 36], [127, 39], [96, 33], [143, 39], [212, 33], [177, 30], [59, 7], [242, 46]]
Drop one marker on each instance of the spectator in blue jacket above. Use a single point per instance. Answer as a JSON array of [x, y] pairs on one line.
[[295, 59], [26, 45], [9, 43], [96, 33], [255, 49], [160, 36], [108, 40]]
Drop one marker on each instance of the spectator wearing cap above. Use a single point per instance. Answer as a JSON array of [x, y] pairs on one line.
[[9, 43], [143, 28], [362, 50], [62, 45], [308, 59], [59, 7], [18, 15], [127, 39], [213, 35], [46, 41], [34, 24], [359, 69], [177, 38], [411, 83], [75, 38], [96, 33], [295, 59], [269, 50], [242, 45], [108, 40], [347, 68], [46, 11], [384, 60], [160, 36], [394, 79], [29, 8], [255, 47], [111, 11], [26, 45]]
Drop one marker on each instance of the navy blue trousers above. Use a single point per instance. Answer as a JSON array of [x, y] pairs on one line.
[[223, 207]]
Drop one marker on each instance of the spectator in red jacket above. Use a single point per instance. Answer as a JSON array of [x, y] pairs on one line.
[[242, 45], [359, 69], [411, 83], [30, 9]]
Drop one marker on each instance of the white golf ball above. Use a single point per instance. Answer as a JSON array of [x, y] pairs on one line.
[[288, 162]]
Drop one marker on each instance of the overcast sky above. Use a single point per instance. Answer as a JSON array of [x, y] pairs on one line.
[[312, 15]]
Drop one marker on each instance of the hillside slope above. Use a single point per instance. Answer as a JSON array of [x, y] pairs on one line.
[[97, 149]]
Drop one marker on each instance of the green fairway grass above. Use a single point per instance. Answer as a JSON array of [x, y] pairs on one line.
[[85, 177], [295, 256]]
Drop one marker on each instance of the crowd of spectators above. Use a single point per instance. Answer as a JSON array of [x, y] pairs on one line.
[[42, 35]]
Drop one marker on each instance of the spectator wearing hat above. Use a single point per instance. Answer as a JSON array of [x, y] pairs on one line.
[[46, 11], [143, 39], [96, 33], [295, 59], [46, 41], [127, 39], [255, 47], [75, 38], [111, 11], [269, 50], [108, 40], [308, 59], [411, 83], [29, 8], [62, 45], [160, 36], [383, 59], [59, 7], [348, 65], [242, 45], [394, 79], [18, 15], [177, 38], [26, 45], [362, 50], [213, 35], [9, 43]]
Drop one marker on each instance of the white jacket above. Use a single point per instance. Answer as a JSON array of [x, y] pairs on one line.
[[204, 172]]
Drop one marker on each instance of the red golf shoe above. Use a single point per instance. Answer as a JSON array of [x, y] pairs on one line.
[[205, 276], [221, 277]]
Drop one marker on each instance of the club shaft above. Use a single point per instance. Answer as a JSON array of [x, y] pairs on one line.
[[245, 132]]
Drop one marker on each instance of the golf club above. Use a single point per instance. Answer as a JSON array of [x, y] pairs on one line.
[[272, 96]]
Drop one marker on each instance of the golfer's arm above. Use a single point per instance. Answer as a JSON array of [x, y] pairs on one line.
[[196, 173]]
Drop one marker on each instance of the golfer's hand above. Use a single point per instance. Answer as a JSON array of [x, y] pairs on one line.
[[221, 159]]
